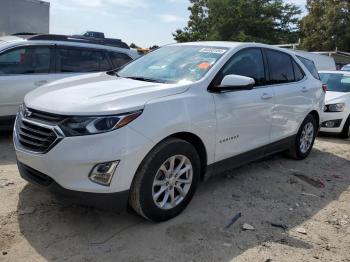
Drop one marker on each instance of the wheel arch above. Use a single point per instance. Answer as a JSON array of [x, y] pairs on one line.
[[195, 141], [315, 114], [198, 144]]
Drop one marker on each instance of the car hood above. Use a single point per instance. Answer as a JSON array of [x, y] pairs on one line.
[[332, 96], [97, 94]]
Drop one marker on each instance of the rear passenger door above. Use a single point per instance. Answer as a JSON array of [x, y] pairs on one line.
[[72, 61], [291, 94]]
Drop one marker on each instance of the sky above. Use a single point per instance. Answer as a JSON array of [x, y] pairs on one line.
[[143, 22]]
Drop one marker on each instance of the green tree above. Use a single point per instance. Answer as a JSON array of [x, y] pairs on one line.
[[267, 21], [153, 47], [327, 25], [197, 27], [133, 45]]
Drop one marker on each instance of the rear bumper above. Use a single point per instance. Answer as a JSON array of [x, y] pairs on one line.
[[116, 202]]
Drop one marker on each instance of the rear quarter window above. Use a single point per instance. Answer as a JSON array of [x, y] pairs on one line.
[[310, 65]]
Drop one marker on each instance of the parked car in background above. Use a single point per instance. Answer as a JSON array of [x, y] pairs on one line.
[[30, 61], [336, 116], [148, 134], [346, 68]]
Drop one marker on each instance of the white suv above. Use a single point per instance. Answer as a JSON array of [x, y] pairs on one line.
[[147, 135], [30, 61]]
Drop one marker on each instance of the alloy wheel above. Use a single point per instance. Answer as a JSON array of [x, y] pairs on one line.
[[306, 138], [172, 182]]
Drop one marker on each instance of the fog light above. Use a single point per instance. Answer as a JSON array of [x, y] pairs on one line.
[[103, 173], [329, 124], [332, 123]]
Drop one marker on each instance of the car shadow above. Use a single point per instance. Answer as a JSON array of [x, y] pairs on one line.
[[7, 154], [333, 138], [264, 192]]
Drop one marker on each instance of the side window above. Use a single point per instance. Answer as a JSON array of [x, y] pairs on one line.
[[25, 60], [298, 72], [310, 65], [248, 62], [119, 59], [75, 60], [280, 67]]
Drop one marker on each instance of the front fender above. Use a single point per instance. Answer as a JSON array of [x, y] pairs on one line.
[[192, 111]]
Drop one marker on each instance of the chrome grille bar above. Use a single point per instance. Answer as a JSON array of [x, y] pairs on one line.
[[36, 137]]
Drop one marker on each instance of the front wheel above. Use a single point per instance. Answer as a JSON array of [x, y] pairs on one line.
[[166, 180], [304, 139]]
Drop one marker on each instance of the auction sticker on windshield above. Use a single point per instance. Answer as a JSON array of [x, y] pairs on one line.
[[213, 50]]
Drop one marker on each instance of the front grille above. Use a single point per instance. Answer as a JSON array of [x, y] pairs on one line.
[[40, 116], [34, 136]]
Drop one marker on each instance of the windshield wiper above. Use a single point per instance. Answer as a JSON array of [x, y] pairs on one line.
[[141, 78], [113, 72]]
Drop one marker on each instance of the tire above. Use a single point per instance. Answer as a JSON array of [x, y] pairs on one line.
[[297, 151], [154, 169], [346, 129]]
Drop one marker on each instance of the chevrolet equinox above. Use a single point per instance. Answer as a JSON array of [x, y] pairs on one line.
[[146, 134]]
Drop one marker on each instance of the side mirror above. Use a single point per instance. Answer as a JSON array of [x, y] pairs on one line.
[[235, 83]]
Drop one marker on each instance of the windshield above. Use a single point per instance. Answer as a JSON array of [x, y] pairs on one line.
[[172, 64], [336, 82]]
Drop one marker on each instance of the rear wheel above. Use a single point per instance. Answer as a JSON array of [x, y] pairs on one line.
[[166, 180], [346, 129], [304, 139]]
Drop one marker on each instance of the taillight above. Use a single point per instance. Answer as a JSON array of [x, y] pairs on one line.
[[324, 88]]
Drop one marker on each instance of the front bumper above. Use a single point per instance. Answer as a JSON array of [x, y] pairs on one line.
[[333, 116], [113, 201], [70, 161]]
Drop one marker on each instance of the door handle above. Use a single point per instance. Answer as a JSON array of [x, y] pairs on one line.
[[266, 96], [41, 82], [304, 89]]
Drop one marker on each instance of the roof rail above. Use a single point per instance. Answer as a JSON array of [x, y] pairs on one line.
[[77, 39], [23, 33]]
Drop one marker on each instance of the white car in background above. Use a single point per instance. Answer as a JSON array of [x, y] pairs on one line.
[[30, 61], [336, 116], [346, 68], [148, 134]]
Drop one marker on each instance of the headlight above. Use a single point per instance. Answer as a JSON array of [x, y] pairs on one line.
[[86, 125], [335, 107]]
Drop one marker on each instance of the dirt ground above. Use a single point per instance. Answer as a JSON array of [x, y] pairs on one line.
[[310, 197]]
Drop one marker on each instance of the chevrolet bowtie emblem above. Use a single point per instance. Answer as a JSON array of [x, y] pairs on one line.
[[27, 113]]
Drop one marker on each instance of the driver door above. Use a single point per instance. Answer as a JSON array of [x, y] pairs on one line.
[[243, 117]]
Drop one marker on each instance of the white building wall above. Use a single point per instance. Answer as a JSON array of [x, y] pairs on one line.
[[18, 16]]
